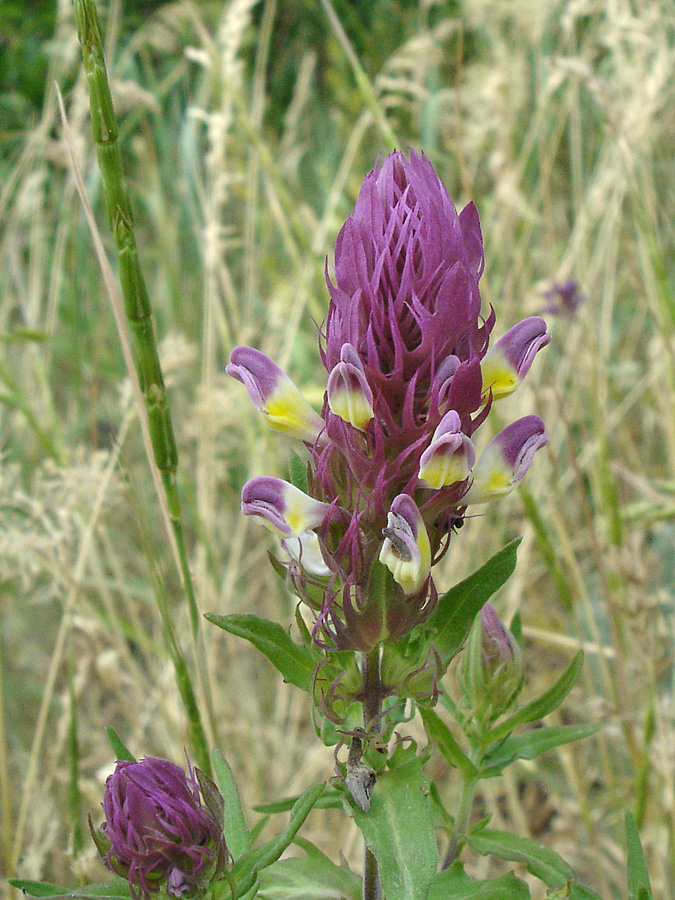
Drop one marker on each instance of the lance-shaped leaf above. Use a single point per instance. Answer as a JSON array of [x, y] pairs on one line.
[[108, 890], [315, 877], [457, 608], [543, 705], [543, 863], [639, 886], [439, 733], [533, 744], [246, 868], [234, 825], [296, 663], [455, 884]]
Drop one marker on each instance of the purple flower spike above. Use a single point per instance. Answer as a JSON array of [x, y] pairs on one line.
[[508, 362], [506, 459], [281, 507], [274, 394], [406, 550], [349, 395], [157, 830], [449, 457]]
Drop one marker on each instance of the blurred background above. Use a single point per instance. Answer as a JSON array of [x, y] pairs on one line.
[[246, 129]]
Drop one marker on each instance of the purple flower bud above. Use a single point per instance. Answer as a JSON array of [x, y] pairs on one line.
[[506, 459], [406, 550], [281, 507], [349, 395], [493, 668], [157, 830], [508, 362], [449, 457], [274, 394]]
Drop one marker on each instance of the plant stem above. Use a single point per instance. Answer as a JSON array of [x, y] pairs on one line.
[[138, 314], [461, 822], [372, 706]]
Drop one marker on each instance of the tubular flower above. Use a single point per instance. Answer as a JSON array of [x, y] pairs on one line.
[[508, 362], [158, 831], [274, 394], [281, 507], [406, 551], [450, 455], [506, 459], [349, 395], [409, 381]]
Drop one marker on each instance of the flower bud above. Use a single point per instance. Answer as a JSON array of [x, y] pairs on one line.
[[450, 455], [274, 394], [406, 551], [349, 395], [506, 459], [493, 670], [281, 507], [158, 832], [508, 362]]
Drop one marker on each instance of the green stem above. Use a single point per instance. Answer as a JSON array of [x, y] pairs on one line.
[[372, 707], [138, 313], [461, 822]]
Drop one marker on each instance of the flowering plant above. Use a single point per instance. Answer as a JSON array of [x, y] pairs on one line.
[[390, 470]]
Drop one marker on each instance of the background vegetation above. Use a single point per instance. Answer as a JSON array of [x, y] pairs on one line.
[[247, 127]]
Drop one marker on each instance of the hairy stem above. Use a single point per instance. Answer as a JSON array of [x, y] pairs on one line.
[[372, 706]]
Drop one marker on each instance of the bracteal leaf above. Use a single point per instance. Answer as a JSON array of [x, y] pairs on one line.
[[296, 663], [234, 825]]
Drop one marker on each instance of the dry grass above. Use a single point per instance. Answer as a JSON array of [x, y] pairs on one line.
[[558, 119]]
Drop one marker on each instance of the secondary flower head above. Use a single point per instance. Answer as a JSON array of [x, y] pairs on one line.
[[392, 464], [158, 831], [492, 673]]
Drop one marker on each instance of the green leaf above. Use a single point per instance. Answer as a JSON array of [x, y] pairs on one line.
[[543, 705], [330, 799], [439, 733], [455, 884], [457, 608], [313, 878], [543, 863], [296, 663], [234, 825], [113, 890], [118, 746], [246, 868], [399, 828], [639, 886], [531, 745]]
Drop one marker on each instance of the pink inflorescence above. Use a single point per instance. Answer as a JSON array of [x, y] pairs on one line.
[[410, 379], [157, 832]]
